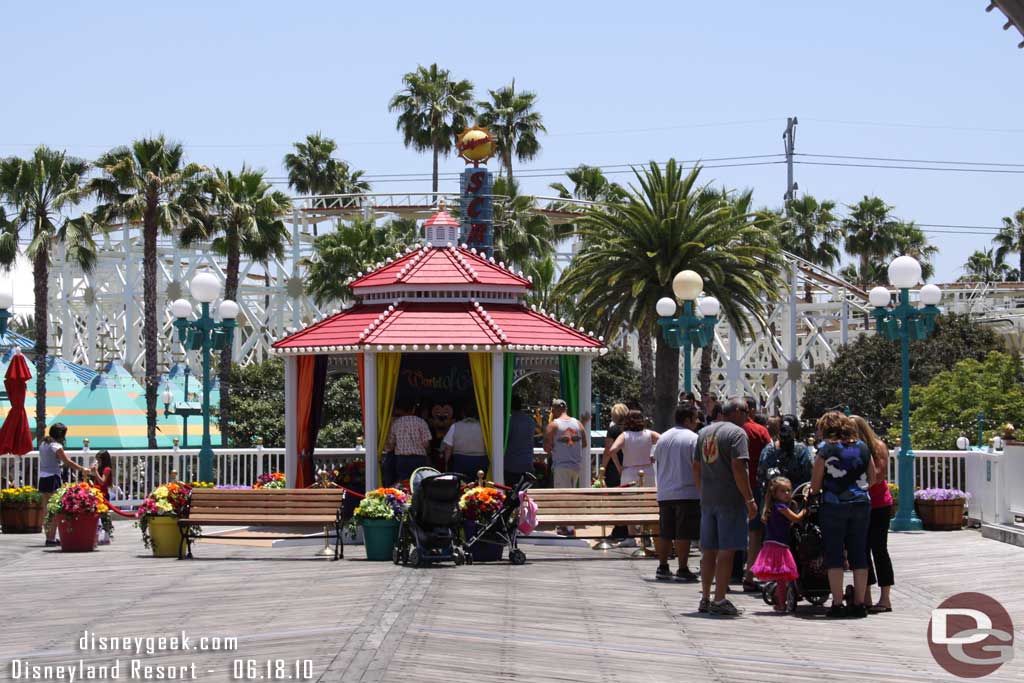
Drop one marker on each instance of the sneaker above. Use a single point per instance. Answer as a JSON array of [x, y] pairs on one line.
[[752, 586], [50, 544], [704, 605], [856, 612], [627, 543], [836, 611], [686, 576], [663, 573], [724, 609]]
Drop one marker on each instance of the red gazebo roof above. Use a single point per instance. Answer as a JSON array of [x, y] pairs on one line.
[[440, 266], [434, 326]]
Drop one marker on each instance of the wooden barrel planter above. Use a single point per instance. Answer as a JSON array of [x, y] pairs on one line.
[[22, 518], [941, 515]]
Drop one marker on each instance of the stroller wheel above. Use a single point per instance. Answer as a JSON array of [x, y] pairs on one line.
[[414, 557], [396, 555], [459, 556], [818, 599], [517, 556], [791, 598], [768, 593]]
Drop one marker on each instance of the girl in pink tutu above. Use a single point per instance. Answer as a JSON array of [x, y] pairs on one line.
[[775, 561]]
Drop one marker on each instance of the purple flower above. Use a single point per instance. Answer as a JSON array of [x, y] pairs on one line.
[[941, 494]]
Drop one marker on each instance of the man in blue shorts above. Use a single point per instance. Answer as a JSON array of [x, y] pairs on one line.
[[726, 502]]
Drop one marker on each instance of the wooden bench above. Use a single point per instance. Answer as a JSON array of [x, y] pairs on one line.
[[608, 507], [312, 508]]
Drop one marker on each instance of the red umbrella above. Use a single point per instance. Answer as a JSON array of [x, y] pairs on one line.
[[15, 436]]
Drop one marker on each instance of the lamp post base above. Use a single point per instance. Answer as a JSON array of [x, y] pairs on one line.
[[912, 524], [206, 463]]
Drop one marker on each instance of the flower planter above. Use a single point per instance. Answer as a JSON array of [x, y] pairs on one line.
[[379, 537], [482, 551], [164, 536], [941, 515], [22, 518], [78, 534]]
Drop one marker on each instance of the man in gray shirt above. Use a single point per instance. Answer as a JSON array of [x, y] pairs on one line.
[[727, 504], [678, 498]]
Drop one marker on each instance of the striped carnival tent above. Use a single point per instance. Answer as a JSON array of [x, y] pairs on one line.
[[109, 416]]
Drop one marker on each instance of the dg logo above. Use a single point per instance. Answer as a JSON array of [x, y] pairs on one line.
[[970, 635]]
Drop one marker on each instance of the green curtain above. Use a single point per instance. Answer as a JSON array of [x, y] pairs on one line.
[[569, 379], [510, 374]]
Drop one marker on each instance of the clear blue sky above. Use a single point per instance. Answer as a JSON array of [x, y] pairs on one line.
[[239, 81]]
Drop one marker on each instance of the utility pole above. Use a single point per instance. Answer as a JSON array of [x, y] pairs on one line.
[[789, 141]]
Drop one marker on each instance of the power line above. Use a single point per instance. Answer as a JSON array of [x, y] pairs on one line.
[[912, 168], [913, 161], [923, 126]]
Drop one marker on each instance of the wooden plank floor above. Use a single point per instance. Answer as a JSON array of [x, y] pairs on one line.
[[570, 614]]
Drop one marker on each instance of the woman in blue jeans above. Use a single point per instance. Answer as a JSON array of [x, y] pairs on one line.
[[843, 472]]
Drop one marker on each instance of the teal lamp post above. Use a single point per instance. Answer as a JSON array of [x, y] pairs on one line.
[[205, 335], [905, 323], [688, 330]]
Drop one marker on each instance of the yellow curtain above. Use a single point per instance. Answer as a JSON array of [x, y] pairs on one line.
[[480, 366], [387, 386]]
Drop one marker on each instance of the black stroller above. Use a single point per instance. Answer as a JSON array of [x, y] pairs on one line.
[[805, 542], [430, 531], [503, 528]]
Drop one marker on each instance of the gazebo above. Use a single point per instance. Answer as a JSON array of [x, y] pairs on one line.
[[438, 318]]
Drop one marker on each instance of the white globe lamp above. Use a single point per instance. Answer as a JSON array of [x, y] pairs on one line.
[[879, 297], [181, 308], [904, 272], [228, 309], [963, 443], [687, 285], [168, 396], [709, 306], [931, 295], [205, 288], [6, 300], [665, 307]]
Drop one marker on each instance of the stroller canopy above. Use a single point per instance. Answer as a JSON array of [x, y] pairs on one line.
[[435, 498]]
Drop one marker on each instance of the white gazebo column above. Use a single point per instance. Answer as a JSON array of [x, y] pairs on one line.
[[586, 375], [370, 418], [291, 427], [498, 418]]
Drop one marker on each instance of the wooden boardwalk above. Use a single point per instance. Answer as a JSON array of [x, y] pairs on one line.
[[570, 614]]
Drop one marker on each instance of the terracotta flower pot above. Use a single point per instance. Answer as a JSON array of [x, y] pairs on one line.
[[941, 515], [78, 534]]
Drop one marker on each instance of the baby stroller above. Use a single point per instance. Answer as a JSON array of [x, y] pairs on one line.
[[430, 530], [805, 542], [503, 528]]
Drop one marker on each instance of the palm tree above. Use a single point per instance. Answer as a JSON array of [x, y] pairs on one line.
[[39, 191], [313, 170], [631, 252], [511, 118], [245, 218], [911, 240], [812, 232], [590, 184], [521, 234], [432, 109], [352, 249], [149, 182], [870, 232], [1011, 238], [984, 266]]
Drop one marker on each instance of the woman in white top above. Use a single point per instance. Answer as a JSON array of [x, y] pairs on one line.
[[51, 459], [636, 443], [463, 446]]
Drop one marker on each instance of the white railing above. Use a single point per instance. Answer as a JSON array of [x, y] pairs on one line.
[[934, 469], [137, 472]]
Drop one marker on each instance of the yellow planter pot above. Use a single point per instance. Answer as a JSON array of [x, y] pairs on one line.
[[165, 536]]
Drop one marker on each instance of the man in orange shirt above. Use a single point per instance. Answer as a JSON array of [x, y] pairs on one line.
[[757, 439]]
